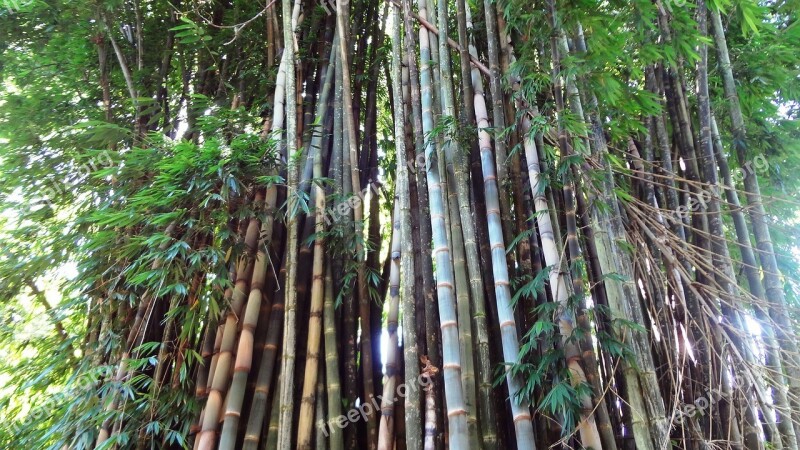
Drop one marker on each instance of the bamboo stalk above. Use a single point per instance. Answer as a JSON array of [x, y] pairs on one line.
[[363, 296], [457, 414], [264, 375], [772, 282], [386, 430], [244, 355], [498, 121], [263, 386], [306, 420], [335, 440], [485, 405], [520, 410], [720, 253], [429, 372], [252, 433], [320, 443], [273, 424], [305, 425], [284, 433], [749, 264], [314, 149], [422, 261], [221, 377], [461, 231]]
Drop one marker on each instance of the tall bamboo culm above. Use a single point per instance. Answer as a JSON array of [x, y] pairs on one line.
[[286, 394], [451, 358], [485, 407], [221, 376], [773, 285], [461, 233], [244, 354], [422, 263], [386, 429], [343, 30], [334, 390], [305, 433], [520, 410]]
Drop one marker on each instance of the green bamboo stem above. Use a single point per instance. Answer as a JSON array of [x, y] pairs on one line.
[[386, 429], [466, 346], [720, 254], [421, 260], [286, 394], [486, 409], [273, 424], [305, 426], [342, 29], [550, 250], [220, 380], [334, 389], [520, 410], [773, 358], [588, 426], [344, 186], [461, 232], [320, 443], [454, 393], [766, 253], [206, 352], [412, 425], [306, 420], [498, 119]]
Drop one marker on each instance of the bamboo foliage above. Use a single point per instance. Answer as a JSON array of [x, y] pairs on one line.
[[133, 336]]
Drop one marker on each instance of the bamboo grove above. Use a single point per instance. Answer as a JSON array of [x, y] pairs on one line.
[[400, 224]]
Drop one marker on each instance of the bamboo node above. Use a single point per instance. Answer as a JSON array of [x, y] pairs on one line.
[[457, 412]]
